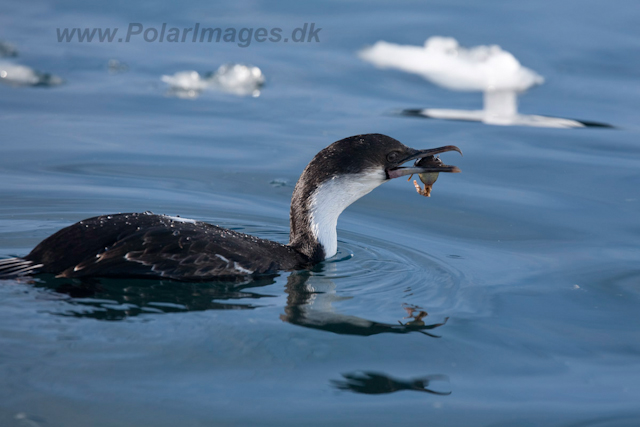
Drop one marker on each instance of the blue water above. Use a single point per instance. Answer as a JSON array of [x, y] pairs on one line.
[[515, 287]]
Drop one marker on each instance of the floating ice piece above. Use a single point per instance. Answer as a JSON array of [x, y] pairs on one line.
[[21, 75], [7, 50], [237, 79], [186, 80], [185, 84], [494, 119], [444, 62], [488, 69]]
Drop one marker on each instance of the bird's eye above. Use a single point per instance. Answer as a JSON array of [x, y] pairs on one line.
[[393, 156]]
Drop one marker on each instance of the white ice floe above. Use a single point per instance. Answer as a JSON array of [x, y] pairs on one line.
[[444, 62], [185, 84], [490, 118], [237, 79], [488, 69], [21, 75]]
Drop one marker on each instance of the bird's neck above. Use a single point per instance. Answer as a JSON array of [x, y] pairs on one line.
[[316, 204]]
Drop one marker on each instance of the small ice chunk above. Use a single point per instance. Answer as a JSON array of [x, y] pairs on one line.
[[17, 74], [185, 84], [488, 117], [237, 79], [21, 75], [185, 80], [444, 62], [7, 50]]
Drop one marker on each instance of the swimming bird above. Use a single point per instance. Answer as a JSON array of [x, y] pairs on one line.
[[147, 245]]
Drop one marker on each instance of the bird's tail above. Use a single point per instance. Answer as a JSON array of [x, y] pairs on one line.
[[17, 267]]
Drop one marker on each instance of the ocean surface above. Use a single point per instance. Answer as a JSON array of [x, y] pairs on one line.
[[510, 297]]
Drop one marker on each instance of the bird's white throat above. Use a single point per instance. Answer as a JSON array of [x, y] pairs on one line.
[[332, 197]]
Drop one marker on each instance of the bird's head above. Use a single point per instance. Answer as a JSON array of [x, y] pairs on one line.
[[342, 173], [378, 156]]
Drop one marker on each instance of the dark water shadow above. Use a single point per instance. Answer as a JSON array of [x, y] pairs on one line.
[[365, 382], [118, 299], [309, 299]]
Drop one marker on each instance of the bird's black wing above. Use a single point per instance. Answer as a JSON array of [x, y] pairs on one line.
[[147, 245]]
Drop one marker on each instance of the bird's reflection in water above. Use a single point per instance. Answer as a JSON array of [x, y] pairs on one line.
[[309, 301], [118, 299], [309, 304], [377, 383]]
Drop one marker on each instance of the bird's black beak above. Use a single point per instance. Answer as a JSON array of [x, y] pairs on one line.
[[399, 170]]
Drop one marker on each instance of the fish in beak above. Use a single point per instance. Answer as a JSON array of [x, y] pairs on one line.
[[427, 165]]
